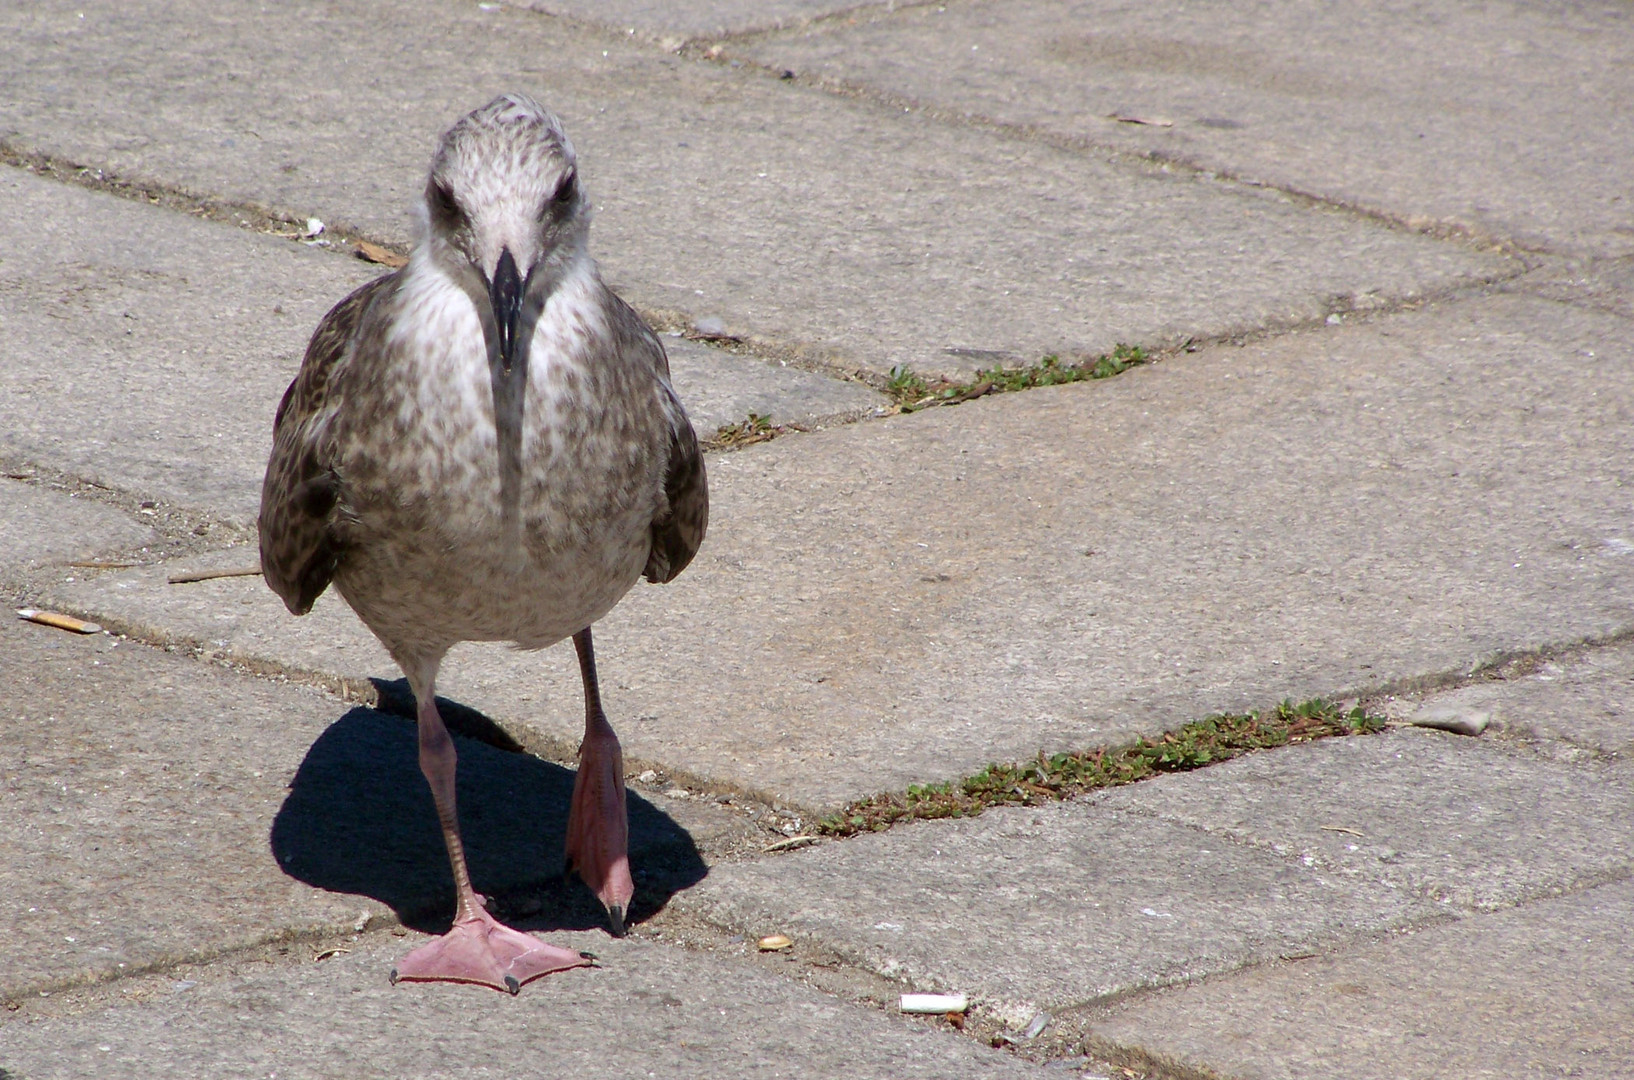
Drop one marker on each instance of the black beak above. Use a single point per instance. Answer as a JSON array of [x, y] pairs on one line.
[[505, 293]]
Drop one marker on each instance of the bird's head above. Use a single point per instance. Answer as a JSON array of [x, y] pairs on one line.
[[505, 216]]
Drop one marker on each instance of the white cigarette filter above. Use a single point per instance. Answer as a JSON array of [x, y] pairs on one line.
[[935, 1004]]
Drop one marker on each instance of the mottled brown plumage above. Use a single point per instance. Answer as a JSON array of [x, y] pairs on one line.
[[485, 446]]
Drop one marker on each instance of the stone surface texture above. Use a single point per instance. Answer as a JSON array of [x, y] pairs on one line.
[[1371, 106], [1541, 991], [150, 350], [39, 525], [1463, 822], [858, 234], [191, 330], [672, 25], [909, 600], [720, 387], [1048, 907], [138, 792], [1581, 705], [1382, 257], [647, 1011]]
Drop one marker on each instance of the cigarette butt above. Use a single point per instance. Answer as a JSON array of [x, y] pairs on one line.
[[59, 620], [935, 1004]]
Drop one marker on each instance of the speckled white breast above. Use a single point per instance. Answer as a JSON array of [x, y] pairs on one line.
[[427, 560]]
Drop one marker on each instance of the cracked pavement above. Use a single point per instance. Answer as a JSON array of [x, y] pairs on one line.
[[1383, 454]]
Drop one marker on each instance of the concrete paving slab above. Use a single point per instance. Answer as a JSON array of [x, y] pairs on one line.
[[1462, 822], [1539, 991], [148, 350], [907, 600], [40, 525], [873, 237], [1439, 113], [721, 387], [191, 330], [159, 809], [1605, 284], [1048, 907], [138, 790], [650, 1010], [672, 25], [1578, 706]]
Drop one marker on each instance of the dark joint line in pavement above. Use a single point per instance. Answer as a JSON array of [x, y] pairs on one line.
[[90, 980], [1052, 778], [93, 178], [716, 51], [863, 14]]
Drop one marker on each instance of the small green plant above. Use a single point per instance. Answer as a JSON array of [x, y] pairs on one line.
[[911, 392], [1061, 776], [755, 429], [904, 385]]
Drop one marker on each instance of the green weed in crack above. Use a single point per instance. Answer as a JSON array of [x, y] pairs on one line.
[[1062, 776], [912, 392]]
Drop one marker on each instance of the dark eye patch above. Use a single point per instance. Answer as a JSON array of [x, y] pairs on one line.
[[566, 189], [442, 203]]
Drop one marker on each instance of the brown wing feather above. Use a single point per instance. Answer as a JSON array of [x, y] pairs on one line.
[[679, 528], [298, 496]]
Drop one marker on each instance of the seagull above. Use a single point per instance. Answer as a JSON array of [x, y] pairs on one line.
[[485, 446]]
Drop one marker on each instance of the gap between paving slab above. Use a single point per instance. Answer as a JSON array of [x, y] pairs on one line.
[[1349, 107], [1289, 852], [673, 26], [1047, 907], [39, 525], [163, 811], [190, 332], [1538, 991], [648, 1010], [892, 603], [918, 238], [1460, 821]]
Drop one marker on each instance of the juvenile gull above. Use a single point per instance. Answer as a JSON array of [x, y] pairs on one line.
[[484, 446]]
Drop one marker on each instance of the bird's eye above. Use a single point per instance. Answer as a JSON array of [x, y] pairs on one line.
[[442, 203], [566, 189]]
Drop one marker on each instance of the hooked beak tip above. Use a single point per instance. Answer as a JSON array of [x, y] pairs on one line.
[[505, 294]]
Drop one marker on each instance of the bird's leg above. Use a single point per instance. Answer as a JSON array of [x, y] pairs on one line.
[[598, 830], [478, 949]]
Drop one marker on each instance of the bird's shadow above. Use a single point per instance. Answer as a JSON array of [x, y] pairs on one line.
[[359, 819]]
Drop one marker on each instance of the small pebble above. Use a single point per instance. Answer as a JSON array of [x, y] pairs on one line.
[[1461, 720]]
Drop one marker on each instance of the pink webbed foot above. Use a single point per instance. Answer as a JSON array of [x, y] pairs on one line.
[[598, 831], [482, 950]]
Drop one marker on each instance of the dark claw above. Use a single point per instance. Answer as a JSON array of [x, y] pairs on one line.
[[615, 915], [512, 985], [393, 976]]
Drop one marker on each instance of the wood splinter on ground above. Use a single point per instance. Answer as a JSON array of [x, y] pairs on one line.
[[384, 256], [183, 577], [789, 844], [58, 620]]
